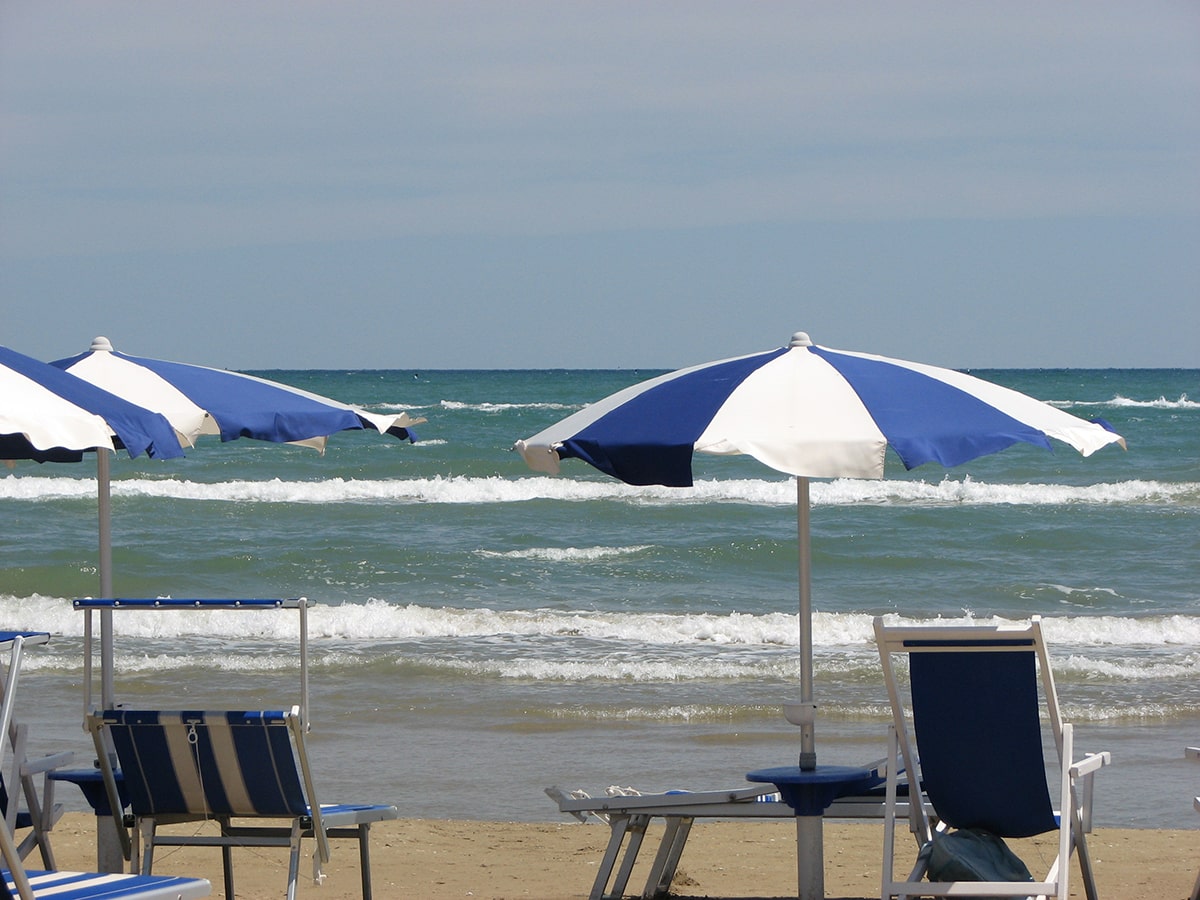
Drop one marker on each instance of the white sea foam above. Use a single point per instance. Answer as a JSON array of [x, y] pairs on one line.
[[602, 668], [1128, 669], [470, 490], [1119, 402], [566, 554], [377, 622], [503, 407]]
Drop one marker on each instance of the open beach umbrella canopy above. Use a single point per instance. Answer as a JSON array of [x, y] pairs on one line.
[[198, 400], [811, 412], [49, 416]]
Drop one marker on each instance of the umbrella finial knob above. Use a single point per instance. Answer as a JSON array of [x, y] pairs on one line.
[[101, 343], [800, 339]]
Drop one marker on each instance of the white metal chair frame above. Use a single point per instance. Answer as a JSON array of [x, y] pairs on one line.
[[1074, 784]]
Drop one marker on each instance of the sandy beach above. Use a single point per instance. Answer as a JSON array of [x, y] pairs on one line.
[[442, 859]]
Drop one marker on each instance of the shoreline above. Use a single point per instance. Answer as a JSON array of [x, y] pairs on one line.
[[439, 859]]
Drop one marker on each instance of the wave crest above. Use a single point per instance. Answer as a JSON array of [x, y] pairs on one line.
[[494, 489]]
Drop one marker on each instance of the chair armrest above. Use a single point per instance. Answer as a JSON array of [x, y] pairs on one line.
[[1091, 763], [48, 763]]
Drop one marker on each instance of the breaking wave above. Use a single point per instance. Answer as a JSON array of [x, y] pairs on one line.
[[487, 490]]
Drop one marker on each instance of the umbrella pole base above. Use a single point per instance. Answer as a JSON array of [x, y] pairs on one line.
[[810, 858]]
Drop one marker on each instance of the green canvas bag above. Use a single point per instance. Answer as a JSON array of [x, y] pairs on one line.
[[971, 854]]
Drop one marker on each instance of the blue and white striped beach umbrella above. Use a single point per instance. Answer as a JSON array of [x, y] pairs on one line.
[[808, 411], [199, 400], [811, 412], [49, 416]]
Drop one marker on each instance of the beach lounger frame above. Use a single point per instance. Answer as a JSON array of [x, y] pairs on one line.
[[629, 815], [29, 884], [226, 766], [972, 713]]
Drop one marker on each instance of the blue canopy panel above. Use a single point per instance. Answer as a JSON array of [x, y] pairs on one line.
[[927, 420], [650, 439], [137, 430], [254, 409]]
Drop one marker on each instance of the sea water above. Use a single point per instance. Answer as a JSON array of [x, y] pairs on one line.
[[481, 632]]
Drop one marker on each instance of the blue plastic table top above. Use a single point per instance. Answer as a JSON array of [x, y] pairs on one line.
[[809, 792], [91, 782]]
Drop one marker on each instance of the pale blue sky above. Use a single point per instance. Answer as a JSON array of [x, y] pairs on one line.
[[443, 185]]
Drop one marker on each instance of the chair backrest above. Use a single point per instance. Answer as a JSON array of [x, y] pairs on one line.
[[234, 763], [978, 734]]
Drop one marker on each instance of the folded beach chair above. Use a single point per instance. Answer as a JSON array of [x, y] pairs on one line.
[[22, 807], [629, 813], [17, 881], [976, 729], [224, 766]]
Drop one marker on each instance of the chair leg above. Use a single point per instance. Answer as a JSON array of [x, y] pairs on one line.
[[140, 860], [620, 825], [294, 860], [637, 831], [227, 870], [43, 817], [227, 857], [662, 872], [1085, 861], [364, 858]]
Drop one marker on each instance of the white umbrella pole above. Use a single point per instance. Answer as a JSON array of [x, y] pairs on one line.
[[106, 589], [808, 745], [810, 843]]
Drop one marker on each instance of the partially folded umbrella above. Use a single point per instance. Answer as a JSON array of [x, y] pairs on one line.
[[201, 400]]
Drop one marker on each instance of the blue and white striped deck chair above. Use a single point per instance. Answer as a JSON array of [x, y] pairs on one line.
[[977, 731], [225, 766], [28, 884]]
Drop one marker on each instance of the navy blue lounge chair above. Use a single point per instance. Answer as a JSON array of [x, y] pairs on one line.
[[977, 733], [228, 767]]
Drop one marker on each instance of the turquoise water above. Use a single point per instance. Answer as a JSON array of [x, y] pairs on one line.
[[483, 632]]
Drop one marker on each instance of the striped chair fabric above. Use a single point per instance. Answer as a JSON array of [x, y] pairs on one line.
[[93, 886], [224, 765]]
